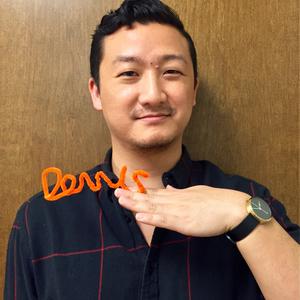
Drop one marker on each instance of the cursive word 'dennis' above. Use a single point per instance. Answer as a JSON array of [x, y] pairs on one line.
[[60, 188]]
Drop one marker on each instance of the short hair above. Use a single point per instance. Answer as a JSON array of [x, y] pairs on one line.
[[143, 12]]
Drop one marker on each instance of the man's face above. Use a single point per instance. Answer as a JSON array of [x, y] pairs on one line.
[[146, 86]]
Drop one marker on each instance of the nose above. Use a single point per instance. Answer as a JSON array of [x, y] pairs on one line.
[[151, 90]]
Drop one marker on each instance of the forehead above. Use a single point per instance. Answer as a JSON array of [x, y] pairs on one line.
[[150, 42]]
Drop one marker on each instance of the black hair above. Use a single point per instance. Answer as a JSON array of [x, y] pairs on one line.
[[143, 12]]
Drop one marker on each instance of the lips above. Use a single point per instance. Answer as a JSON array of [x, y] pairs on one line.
[[153, 119], [153, 116]]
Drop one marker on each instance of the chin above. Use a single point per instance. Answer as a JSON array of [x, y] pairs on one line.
[[152, 143]]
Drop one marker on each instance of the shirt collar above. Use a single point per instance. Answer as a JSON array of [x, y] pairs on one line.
[[179, 176]]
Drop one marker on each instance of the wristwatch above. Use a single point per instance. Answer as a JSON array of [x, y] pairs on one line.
[[259, 213]]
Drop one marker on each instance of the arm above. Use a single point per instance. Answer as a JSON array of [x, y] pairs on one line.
[[272, 255], [274, 259]]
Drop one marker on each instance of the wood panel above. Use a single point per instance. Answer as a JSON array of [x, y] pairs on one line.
[[246, 120]]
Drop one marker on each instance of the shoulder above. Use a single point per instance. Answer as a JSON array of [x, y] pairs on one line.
[[211, 174], [38, 209], [50, 225]]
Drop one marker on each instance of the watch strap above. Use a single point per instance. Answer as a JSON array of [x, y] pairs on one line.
[[243, 229]]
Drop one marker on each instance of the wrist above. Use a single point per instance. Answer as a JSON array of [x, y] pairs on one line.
[[259, 212], [238, 210]]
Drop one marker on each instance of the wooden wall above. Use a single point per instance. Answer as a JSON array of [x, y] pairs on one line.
[[246, 120]]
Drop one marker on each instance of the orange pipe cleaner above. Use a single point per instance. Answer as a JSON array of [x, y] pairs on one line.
[[84, 177]]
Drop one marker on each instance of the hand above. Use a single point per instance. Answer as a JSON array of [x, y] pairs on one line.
[[196, 211]]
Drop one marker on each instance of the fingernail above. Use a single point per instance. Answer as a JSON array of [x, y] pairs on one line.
[[117, 192]]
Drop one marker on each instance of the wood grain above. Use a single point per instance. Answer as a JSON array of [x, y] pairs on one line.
[[246, 119]]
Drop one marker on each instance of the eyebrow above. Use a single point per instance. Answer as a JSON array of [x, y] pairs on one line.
[[163, 59]]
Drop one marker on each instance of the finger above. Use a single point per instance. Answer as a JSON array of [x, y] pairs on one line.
[[169, 187], [131, 195], [159, 195], [140, 206], [120, 192], [158, 220], [133, 188]]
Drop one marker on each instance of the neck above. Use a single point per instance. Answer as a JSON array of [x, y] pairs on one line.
[[154, 161]]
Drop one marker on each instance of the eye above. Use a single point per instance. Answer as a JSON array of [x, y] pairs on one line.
[[128, 74], [173, 72]]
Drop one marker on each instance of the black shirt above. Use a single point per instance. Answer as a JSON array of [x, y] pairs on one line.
[[86, 246]]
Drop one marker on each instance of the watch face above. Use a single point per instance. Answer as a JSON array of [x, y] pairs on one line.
[[261, 209]]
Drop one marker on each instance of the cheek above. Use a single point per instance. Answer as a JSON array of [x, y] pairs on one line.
[[118, 99], [183, 98], [127, 91], [183, 102]]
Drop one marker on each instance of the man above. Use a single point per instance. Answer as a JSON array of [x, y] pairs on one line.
[[171, 242]]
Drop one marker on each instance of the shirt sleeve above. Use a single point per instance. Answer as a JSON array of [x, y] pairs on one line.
[[19, 276], [280, 214], [278, 210]]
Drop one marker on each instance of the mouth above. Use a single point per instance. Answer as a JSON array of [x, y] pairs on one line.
[[153, 118]]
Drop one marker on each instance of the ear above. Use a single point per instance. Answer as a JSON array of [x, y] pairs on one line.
[[195, 92], [95, 94]]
